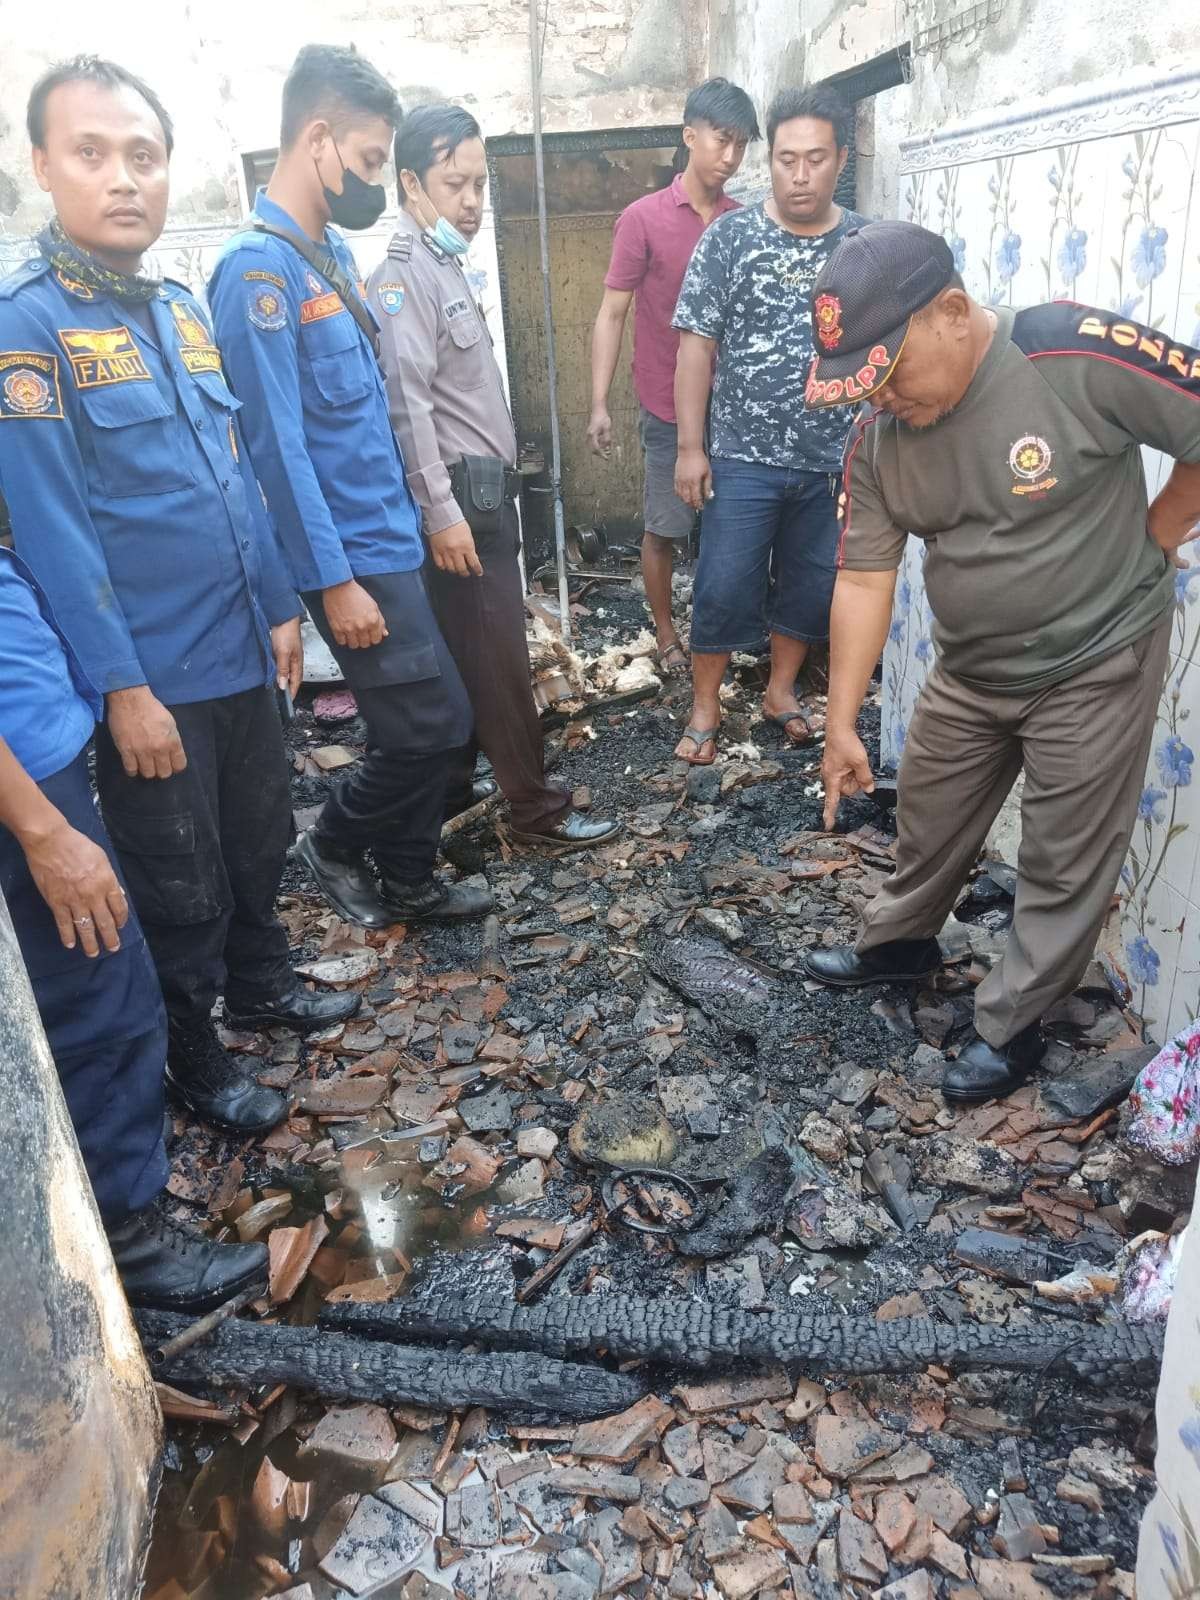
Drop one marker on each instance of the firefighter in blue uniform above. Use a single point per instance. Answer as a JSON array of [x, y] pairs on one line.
[[91, 974], [132, 501], [300, 348]]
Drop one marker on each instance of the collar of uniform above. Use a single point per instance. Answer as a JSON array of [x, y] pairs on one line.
[[680, 196]]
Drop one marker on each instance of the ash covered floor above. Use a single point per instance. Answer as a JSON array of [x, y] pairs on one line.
[[643, 1005]]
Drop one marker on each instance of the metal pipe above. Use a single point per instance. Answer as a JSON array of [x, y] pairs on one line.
[[200, 1329], [539, 171]]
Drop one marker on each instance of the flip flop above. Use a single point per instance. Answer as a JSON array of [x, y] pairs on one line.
[[672, 668], [699, 737], [784, 720]]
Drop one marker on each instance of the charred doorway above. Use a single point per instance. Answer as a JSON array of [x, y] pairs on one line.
[[590, 179]]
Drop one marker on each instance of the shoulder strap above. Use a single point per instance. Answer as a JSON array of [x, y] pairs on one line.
[[323, 261]]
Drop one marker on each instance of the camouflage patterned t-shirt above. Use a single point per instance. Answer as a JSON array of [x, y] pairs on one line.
[[747, 286]]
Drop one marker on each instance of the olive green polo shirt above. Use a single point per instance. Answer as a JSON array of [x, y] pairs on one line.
[[1031, 495]]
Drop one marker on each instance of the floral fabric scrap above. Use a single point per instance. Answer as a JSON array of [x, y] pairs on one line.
[[1165, 1100]]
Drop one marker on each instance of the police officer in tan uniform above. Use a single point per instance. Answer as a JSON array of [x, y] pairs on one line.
[[451, 416]]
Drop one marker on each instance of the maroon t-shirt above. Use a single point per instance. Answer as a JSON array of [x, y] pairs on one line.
[[652, 245]]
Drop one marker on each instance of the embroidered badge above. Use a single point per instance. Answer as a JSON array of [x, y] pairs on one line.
[[196, 349], [267, 310], [264, 277], [103, 356], [828, 310], [1029, 461], [391, 297], [320, 307], [73, 285], [456, 308], [29, 385]]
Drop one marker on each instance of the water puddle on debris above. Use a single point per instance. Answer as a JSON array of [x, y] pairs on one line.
[[249, 1514]]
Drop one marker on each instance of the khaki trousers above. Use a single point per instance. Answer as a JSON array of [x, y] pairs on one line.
[[1083, 745]]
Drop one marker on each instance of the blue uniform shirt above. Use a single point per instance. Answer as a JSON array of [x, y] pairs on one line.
[[316, 413], [48, 707], [130, 493]]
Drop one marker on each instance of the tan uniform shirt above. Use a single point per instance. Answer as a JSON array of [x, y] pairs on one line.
[[444, 387]]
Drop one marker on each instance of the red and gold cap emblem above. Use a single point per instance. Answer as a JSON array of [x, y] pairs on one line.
[[828, 311]]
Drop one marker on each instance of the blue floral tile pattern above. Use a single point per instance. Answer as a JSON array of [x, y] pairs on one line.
[[1113, 222]]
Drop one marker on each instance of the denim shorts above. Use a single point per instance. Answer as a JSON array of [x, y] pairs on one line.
[[768, 556], [663, 512]]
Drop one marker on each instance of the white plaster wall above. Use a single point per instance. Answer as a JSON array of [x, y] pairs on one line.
[[219, 68]]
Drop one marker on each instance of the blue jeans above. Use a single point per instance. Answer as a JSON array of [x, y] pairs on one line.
[[768, 554]]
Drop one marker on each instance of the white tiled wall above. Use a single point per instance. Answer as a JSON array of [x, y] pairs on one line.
[[1113, 221]]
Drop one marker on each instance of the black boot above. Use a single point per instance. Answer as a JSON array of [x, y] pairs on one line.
[[298, 1008], [481, 789], [169, 1268], [344, 881], [985, 1071], [572, 832], [434, 901], [901, 961], [205, 1077]]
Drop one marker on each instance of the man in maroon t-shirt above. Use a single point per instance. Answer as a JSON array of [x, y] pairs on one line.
[[652, 245]]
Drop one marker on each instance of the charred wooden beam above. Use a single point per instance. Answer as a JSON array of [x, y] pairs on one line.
[[692, 1333], [340, 1367]]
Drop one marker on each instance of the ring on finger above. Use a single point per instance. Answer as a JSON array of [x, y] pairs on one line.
[[82, 922]]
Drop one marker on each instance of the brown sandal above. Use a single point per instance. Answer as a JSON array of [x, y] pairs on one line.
[[699, 737], [672, 668], [784, 720]]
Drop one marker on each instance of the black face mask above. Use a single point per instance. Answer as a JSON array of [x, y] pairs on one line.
[[360, 205]]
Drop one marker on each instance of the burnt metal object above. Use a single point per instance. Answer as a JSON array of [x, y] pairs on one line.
[[728, 990], [339, 1367], [693, 1333], [200, 1329], [620, 1206]]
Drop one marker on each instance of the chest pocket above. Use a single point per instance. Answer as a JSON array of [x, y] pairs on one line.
[[136, 440], [466, 335], [335, 365]]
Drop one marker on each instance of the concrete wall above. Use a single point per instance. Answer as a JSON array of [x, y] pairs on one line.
[[219, 69]]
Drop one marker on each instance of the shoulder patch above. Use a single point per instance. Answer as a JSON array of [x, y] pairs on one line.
[[266, 308], [29, 385], [391, 297], [400, 248], [103, 356], [257, 275]]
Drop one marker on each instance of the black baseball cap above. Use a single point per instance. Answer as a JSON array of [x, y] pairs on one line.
[[863, 302]]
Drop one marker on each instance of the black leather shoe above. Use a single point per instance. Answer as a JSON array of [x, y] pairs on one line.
[[205, 1077], [347, 885], [574, 832], [984, 1071], [481, 789], [901, 961], [298, 1008], [170, 1268], [434, 901]]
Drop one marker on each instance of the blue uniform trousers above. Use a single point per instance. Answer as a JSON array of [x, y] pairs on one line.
[[103, 1018]]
